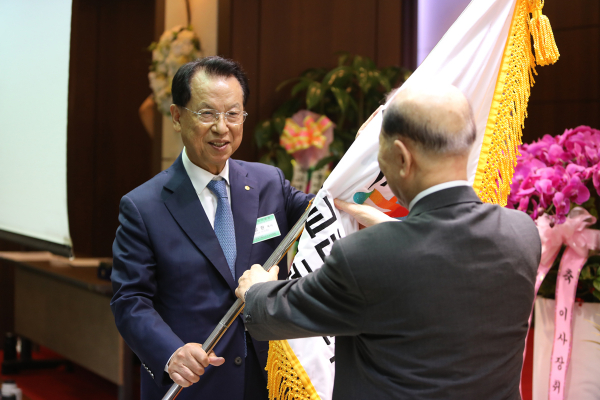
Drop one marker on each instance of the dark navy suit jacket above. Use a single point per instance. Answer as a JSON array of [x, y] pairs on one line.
[[170, 277]]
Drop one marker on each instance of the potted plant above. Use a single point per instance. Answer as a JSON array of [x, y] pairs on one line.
[[557, 182], [346, 95]]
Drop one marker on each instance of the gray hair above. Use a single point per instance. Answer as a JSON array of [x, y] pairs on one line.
[[398, 122]]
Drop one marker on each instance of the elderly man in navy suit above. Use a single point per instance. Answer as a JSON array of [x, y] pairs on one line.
[[188, 234]]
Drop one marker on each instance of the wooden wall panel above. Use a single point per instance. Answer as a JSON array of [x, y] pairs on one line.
[[245, 47], [81, 128], [276, 40], [567, 94], [108, 151], [389, 35]]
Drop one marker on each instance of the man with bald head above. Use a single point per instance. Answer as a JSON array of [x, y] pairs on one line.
[[432, 307]]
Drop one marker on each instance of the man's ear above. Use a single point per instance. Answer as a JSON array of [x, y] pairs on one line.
[[175, 117], [404, 157]]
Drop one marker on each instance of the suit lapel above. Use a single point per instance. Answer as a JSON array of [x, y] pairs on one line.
[[186, 209], [244, 206]]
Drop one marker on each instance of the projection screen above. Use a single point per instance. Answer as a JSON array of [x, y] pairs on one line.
[[34, 81]]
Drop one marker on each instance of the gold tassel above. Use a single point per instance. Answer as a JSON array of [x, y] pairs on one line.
[[287, 378], [546, 52], [499, 150]]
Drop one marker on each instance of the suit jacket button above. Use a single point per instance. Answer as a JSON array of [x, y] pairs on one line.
[[238, 361]]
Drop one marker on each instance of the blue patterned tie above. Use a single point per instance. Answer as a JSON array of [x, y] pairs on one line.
[[224, 228]]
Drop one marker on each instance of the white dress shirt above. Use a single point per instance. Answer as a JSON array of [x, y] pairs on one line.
[[200, 178], [436, 188]]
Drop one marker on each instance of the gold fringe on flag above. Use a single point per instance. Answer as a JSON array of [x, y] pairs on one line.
[[502, 136], [287, 378]]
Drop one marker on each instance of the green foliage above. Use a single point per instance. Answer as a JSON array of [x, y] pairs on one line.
[[588, 287], [347, 94]]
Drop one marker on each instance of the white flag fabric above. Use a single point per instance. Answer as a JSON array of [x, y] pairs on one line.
[[488, 42]]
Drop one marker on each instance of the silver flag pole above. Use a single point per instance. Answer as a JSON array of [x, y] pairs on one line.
[[238, 306]]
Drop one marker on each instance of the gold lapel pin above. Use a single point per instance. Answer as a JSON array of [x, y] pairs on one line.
[[247, 187]]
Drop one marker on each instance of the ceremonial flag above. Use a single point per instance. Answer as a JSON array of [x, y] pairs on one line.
[[487, 54]]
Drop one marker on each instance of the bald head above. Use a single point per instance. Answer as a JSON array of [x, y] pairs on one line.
[[438, 119]]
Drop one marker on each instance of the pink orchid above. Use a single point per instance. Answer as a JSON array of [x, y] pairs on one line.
[[576, 191], [555, 172], [523, 204], [562, 204], [556, 154], [596, 179]]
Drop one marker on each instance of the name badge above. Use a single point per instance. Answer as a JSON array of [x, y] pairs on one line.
[[266, 228]]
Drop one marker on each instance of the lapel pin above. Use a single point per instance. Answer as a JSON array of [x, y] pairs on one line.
[[247, 187]]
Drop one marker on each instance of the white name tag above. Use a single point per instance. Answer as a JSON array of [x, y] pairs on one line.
[[266, 228]]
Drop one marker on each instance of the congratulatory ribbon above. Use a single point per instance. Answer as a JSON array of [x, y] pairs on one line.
[[580, 240]]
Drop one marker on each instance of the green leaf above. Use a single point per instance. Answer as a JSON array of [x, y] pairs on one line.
[[364, 81], [597, 294], [382, 80], [342, 97], [597, 283], [586, 273], [284, 163], [286, 82], [300, 86], [315, 74], [313, 95], [263, 133], [363, 62], [325, 161], [343, 56], [338, 77], [279, 124], [358, 62], [337, 147]]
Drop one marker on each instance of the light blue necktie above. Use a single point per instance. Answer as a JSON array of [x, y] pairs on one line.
[[224, 228]]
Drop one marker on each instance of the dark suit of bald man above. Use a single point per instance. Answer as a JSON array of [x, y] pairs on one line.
[[432, 307]]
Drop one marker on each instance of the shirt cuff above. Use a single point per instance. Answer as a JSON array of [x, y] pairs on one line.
[[168, 361]]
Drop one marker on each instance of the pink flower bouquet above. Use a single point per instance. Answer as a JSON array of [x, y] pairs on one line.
[[553, 176], [557, 172]]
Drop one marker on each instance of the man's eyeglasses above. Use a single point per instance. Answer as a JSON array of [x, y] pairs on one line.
[[209, 116]]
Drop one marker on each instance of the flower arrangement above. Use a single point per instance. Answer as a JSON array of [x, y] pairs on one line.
[[553, 176], [175, 47]]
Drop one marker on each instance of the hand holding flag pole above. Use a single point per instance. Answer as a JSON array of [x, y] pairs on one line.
[[238, 306]]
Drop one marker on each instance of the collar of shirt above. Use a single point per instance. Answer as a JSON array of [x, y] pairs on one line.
[[200, 177], [436, 188]]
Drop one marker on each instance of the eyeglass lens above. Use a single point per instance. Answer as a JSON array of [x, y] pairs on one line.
[[210, 116]]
